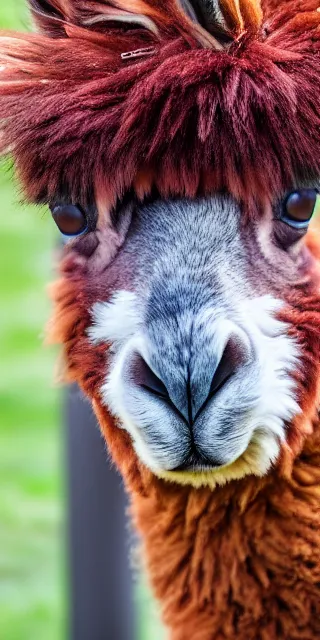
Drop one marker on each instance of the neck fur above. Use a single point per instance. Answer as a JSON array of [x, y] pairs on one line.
[[241, 561]]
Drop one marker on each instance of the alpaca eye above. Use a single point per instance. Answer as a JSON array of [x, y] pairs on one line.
[[70, 219], [299, 207]]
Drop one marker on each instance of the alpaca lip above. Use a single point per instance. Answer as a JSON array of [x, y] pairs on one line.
[[197, 462], [196, 468]]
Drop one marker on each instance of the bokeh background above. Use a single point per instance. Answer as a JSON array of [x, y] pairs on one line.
[[34, 596]]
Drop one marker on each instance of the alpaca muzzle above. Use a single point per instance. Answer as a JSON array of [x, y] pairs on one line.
[[200, 371]]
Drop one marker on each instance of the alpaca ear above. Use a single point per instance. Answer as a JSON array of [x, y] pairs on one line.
[[50, 15]]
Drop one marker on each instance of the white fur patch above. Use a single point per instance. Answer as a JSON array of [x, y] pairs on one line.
[[115, 321], [278, 356]]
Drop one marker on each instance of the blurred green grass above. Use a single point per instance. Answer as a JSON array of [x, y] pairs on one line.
[[31, 574]]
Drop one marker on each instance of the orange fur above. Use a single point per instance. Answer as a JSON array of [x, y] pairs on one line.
[[242, 14]]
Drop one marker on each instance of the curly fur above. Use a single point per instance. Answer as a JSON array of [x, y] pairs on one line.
[[99, 124]]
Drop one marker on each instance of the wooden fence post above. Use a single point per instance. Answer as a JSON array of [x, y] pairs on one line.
[[101, 603]]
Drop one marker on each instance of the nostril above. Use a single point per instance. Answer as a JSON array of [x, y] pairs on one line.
[[144, 377], [234, 355]]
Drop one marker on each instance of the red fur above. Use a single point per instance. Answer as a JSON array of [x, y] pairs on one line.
[[78, 118]]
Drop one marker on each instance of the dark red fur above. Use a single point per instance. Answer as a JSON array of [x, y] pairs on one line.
[[80, 121]]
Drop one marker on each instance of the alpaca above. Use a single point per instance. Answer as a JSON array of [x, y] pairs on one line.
[[177, 145]]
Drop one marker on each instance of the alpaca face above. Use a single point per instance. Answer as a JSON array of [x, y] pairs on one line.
[[192, 318], [200, 368]]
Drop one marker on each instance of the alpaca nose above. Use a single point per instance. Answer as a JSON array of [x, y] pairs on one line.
[[144, 377], [190, 396]]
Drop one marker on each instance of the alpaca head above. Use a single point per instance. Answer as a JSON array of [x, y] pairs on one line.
[[178, 144]]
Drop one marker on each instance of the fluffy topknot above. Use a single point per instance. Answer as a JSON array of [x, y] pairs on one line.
[[111, 95]]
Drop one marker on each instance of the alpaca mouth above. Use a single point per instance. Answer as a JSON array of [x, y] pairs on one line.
[[196, 467], [196, 462], [256, 458]]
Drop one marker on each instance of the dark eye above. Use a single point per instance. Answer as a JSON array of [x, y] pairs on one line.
[[299, 207], [70, 219]]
